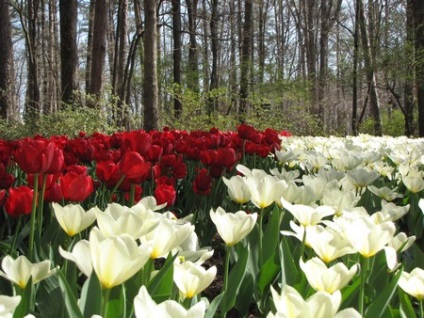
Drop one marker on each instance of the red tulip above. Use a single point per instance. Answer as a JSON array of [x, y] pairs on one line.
[[2, 197], [137, 140], [57, 162], [138, 191], [248, 132], [133, 166], [173, 166], [76, 187], [19, 201], [35, 155], [165, 193], [105, 170], [53, 193], [203, 183]]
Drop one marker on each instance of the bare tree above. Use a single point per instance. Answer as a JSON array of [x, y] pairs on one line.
[[193, 68], [150, 82], [214, 51], [246, 58], [32, 98], [6, 66], [418, 10], [176, 35], [370, 70], [329, 12], [98, 50], [68, 10]]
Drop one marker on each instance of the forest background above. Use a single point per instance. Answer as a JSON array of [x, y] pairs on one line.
[[313, 67]]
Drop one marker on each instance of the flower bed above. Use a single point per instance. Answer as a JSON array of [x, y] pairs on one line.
[[126, 225]]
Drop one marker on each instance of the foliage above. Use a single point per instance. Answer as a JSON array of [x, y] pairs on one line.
[[393, 123], [68, 121]]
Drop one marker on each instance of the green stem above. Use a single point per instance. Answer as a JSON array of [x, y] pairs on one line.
[[15, 235], [421, 304], [116, 187], [364, 270], [226, 267], [106, 296], [302, 246], [226, 272], [132, 194], [187, 303], [261, 221], [40, 207], [147, 271], [33, 216]]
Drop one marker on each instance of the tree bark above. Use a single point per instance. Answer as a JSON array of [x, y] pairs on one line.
[[68, 10], [7, 73], [98, 51], [176, 54], [89, 57], [370, 72], [193, 68], [150, 82], [245, 59], [214, 51], [120, 61], [408, 90], [328, 16], [263, 17], [418, 10], [32, 98], [354, 121]]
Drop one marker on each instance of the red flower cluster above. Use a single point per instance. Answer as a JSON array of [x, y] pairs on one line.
[[73, 169]]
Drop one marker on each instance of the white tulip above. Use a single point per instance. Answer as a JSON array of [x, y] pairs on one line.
[[233, 227], [72, 218], [21, 269]]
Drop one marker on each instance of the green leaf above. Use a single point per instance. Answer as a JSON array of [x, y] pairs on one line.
[[418, 256], [406, 308], [271, 236], [91, 297], [26, 302], [253, 241], [289, 270], [71, 304], [245, 294], [268, 274], [234, 279], [350, 293], [160, 286], [377, 308], [49, 298], [210, 313]]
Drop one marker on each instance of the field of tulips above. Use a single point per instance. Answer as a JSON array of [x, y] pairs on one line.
[[211, 224]]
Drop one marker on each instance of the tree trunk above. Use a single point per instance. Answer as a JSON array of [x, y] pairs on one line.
[[98, 50], [408, 90], [176, 34], [150, 82], [418, 10], [263, 17], [32, 98], [354, 121], [205, 46], [370, 72], [193, 69], [214, 50], [68, 10], [328, 16], [7, 72], [120, 61], [245, 58], [89, 57]]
